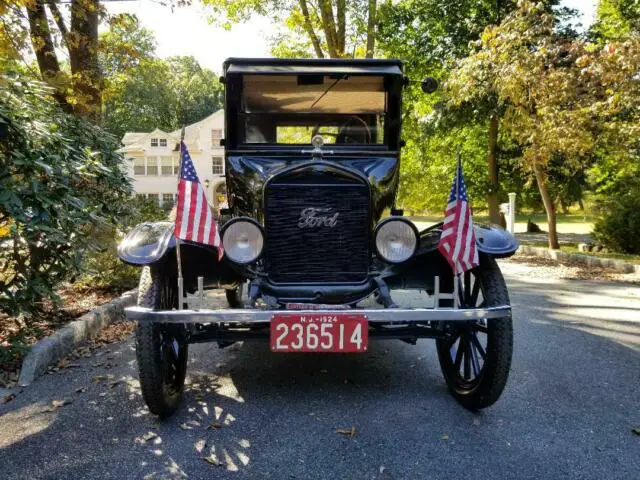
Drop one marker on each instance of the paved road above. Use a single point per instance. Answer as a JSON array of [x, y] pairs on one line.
[[568, 412]]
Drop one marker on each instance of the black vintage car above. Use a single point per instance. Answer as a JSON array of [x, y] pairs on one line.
[[317, 258]]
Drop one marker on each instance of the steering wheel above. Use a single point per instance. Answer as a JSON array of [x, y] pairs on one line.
[[342, 135]]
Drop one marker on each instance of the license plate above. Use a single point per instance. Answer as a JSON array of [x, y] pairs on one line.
[[319, 332]]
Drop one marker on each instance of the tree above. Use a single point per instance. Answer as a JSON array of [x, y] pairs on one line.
[[560, 94], [432, 35], [38, 24], [60, 178], [143, 92], [336, 29]]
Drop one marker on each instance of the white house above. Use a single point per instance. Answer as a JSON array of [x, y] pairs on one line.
[[152, 160]]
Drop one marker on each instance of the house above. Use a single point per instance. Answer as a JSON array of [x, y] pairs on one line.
[[152, 160]]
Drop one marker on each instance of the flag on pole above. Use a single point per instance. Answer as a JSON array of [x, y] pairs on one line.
[[458, 240], [194, 220]]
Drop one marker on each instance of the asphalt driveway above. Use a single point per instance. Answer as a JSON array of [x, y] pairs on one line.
[[571, 403]]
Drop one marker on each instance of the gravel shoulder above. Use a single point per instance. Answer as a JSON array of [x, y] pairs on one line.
[[571, 403]]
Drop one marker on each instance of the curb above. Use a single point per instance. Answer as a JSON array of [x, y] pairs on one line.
[[53, 348], [587, 260]]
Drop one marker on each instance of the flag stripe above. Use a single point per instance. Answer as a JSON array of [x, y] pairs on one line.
[[457, 241], [194, 218]]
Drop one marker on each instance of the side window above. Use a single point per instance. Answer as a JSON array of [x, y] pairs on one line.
[[168, 200], [154, 197], [154, 142], [167, 166], [138, 166], [216, 136], [217, 165], [152, 166]]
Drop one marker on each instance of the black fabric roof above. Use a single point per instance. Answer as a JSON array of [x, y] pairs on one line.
[[293, 66]]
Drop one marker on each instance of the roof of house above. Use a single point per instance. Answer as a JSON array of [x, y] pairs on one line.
[[140, 141]]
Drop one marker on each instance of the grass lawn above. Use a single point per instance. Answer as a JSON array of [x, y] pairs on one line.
[[572, 223], [573, 248]]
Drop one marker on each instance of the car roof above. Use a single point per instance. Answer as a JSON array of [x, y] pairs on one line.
[[294, 66]]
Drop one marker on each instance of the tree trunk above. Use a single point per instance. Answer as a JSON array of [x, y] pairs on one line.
[[82, 43], [548, 206], [341, 15], [329, 28], [492, 161], [309, 29], [45, 51], [371, 29]]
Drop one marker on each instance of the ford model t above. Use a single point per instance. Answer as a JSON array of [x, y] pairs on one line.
[[317, 258]]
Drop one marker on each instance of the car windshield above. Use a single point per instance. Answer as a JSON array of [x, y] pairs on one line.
[[291, 109]]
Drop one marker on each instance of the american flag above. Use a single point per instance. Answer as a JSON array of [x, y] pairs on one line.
[[458, 240], [194, 220]]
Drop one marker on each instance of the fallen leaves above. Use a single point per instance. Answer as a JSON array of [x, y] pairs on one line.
[[636, 430], [212, 459], [215, 425], [7, 398], [444, 437], [81, 389], [347, 432], [56, 404]]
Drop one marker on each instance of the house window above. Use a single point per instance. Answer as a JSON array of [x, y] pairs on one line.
[[168, 199], [154, 197], [154, 142], [168, 166], [216, 136], [152, 166], [163, 142], [217, 164], [138, 166]]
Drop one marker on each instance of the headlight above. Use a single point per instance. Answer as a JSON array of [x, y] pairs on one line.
[[396, 239], [243, 240]]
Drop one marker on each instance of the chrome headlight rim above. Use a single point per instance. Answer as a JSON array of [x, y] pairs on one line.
[[252, 221], [395, 219]]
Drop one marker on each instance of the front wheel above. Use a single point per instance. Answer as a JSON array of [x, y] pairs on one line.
[[476, 358], [161, 350]]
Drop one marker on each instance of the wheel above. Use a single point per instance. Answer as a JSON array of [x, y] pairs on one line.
[[234, 296], [161, 350], [475, 361]]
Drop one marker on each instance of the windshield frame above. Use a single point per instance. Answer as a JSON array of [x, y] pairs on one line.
[[393, 84]]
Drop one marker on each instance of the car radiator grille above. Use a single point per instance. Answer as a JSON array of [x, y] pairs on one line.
[[317, 254]]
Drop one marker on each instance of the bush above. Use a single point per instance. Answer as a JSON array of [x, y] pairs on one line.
[[619, 229], [101, 266], [60, 180]]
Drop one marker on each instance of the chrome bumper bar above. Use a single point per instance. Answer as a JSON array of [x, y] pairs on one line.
[[374, 315]]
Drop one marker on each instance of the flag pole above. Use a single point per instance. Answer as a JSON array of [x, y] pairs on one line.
[[456, 275], [178, 258]]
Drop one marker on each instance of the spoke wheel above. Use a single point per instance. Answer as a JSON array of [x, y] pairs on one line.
[[161, 350], [476, 358]]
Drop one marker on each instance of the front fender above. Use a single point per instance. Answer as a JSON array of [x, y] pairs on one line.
[[490, 239], [147, 243], [419, 270]]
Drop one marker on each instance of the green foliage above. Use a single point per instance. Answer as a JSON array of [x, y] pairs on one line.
[[619, 228], [101, 267], [60, 179], [617, 19], [143, 92]]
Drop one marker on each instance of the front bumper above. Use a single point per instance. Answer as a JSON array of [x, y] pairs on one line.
[[374, 315]]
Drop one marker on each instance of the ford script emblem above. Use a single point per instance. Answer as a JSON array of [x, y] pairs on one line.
[[318, 217]]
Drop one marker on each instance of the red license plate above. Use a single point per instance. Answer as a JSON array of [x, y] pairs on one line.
[[319, 332]]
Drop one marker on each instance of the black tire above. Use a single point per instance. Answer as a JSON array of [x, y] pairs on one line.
[[161, 368], [234, 296], [490, 378]]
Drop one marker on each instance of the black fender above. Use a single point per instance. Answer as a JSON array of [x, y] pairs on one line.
[[419, 270], [147, 243], [153, 244], [490, 239]]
